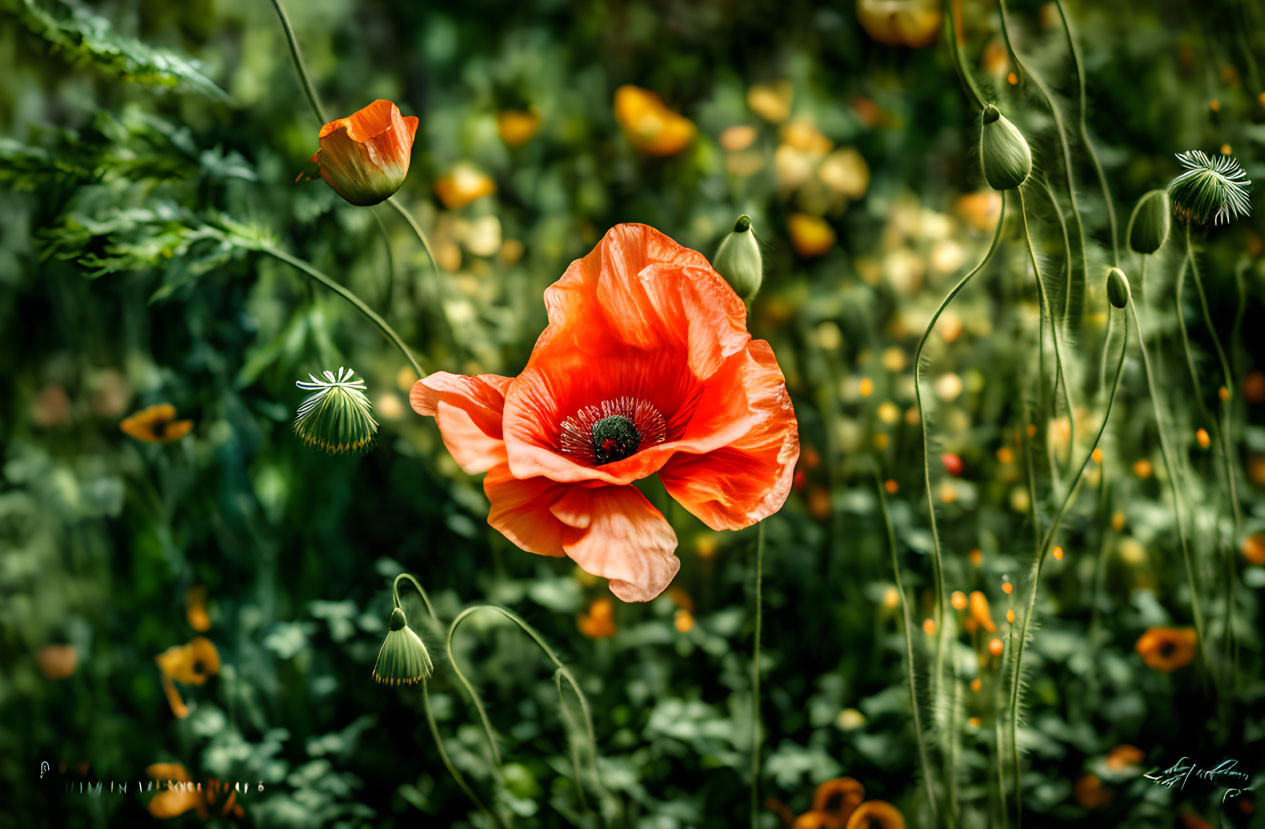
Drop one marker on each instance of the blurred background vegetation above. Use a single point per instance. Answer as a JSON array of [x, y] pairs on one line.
[[149, 149]]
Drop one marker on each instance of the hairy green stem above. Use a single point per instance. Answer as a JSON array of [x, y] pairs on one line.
[[755, 677], [1061, 130], [430, 716], [964, 72], [1060, 376], [906, 625], [1089, 145], [293, 42], [1035, 577], [561, 675], [360, 306], [1067, 246], [937, 556], [1179, 506]]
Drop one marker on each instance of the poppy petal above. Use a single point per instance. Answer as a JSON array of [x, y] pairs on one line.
[[468, 411], [624, 539], [749, 478], [520, 511]]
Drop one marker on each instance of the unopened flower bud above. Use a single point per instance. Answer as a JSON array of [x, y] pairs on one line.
[[1150, 222], [1004, 154], [403, 659], [1117, 288], [738, 260]]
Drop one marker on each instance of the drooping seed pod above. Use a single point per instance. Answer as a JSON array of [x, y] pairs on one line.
[[1150, 222], [739, 261], [403, 658], [1117, 288], [1005, 156]]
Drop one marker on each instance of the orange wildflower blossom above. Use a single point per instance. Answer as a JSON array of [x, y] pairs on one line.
[[876, 814], [649, 125], [599, 621], [189, 664], [157, 424], [646, 367], [365, 156], [836, 800], [1167, 649], [182, 795], [1091, 793]]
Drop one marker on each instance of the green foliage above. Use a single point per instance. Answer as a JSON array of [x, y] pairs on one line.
[[78, 36]]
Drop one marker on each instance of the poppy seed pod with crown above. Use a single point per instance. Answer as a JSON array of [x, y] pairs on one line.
[[1150, 223], [738, 260], [1117, 288], [1004, 154]]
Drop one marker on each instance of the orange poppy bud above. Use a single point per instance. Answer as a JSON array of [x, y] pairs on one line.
[[1123, 756], [463, 185], [365, 156], [1058, 553], [517, 127], [811, 236], [1010, 616], [1091, 793], [958, 599], [195, 609], [1201, 436], [1254, 548], [980, 611], [929, 626], [57, 661]]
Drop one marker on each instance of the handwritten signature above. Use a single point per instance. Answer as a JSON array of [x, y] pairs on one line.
[[1225, 774]]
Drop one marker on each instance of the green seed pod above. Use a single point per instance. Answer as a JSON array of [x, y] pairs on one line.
[[738, 260], [1209, 189], [1150, 222], [1117, 288], [338, 418], [1004, 153], [403, 659]]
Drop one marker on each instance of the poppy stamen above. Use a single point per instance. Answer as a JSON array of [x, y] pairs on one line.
[[611, 431]]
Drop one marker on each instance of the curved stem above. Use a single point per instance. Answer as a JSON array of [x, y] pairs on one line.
[[755, 677], [360, 306], [937, 556], [430, 716], [907, 625], [1089, 145], [561, 673], [436, 288], [1035, 578], [386, 246], [964, 72], [293, 42], [1067, 247], [1178, 501], [1066, 150], [1060, 376]]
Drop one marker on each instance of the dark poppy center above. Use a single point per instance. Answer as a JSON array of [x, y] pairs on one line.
[[1168, 649], [614, 438]]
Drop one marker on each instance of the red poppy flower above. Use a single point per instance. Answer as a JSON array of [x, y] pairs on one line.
[[365, 156], [646, 367]]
